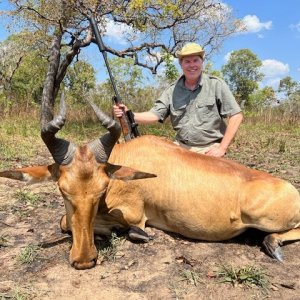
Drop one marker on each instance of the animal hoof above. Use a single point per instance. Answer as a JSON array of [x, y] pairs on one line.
[[278, 254], [273, 248], [137, 234]]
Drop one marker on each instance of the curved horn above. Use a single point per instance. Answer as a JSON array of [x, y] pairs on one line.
[[103, 146], [61, 150]]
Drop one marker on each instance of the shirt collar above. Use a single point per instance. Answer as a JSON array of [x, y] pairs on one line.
[[182, 79]]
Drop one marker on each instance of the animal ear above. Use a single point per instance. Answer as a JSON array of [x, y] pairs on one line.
[[33, 174], [126, 173]]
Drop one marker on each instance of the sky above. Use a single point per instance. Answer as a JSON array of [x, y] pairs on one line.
[[273, 34]]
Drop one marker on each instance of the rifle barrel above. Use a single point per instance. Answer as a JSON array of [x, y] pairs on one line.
[[102, 50], [129, 127]]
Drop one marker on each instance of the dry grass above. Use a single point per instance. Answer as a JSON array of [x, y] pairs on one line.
[[261, 143], [260, 134]]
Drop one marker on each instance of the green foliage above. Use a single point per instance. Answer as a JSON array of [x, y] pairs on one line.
[[159, 25], [27, 83], [209, 70], [288, 86], [125, 72], [127, 75], [22, 71], [171, 72], [291, 107], [191, 276], [147, 26], [27, 197], [248, 275], [262, 98], [242, 74], [16, 294], [29, 254], [79, 80], [128, 79], [111, 251]]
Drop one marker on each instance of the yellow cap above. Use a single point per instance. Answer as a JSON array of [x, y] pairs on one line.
[[190, 49]]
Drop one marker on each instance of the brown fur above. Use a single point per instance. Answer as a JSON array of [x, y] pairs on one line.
[[198, 196]]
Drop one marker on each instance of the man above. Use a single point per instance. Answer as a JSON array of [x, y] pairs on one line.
[[197, 105]]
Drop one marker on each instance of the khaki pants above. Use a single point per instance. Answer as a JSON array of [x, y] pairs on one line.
[[199, 149]]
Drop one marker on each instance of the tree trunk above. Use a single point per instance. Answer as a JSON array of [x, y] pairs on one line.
[[48, 96]]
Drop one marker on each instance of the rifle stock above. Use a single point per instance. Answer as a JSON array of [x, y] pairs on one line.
[[124, 122]]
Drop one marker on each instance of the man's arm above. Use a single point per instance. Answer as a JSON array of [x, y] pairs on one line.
[[232, 127], [146, 117]]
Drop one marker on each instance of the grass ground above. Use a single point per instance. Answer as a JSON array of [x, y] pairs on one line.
[[258, 136], [34, 254]]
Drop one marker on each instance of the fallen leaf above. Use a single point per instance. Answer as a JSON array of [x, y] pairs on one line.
[[211, 274]]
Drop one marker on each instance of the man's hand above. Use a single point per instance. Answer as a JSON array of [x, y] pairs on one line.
[[219, 150], [216, 151], [119, 110]]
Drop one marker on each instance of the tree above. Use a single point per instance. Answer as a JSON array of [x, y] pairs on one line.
[[151, 26], [209, 70], [262, 98], [242, 73], [291, 107], [287, 86], [22, 68], [171, 72], [127, 77], [79, 80], [28, 80]]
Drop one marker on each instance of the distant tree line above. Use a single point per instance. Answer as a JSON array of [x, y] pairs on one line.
[[22, 78], [60, 29], [25, 57]]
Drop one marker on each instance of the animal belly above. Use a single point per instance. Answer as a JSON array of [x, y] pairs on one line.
[[215, 230]]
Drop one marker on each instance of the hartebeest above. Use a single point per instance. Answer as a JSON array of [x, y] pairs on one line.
[[197, 196]]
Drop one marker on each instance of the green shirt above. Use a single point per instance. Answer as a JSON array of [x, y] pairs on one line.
[[197, 115]]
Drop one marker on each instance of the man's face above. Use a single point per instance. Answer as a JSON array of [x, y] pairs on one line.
[[192, 66]]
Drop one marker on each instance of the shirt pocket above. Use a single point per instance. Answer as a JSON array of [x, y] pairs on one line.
[[206, 112], [177, 115]]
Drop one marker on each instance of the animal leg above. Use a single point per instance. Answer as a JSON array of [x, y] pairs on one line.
[[105, 224], [64, 225], [136, 221], [272, 242]]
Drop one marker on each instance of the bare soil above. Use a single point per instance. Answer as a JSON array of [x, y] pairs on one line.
[[168, 267]]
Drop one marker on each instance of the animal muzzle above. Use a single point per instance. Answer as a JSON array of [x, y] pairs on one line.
[[83, 254], [84, 265], [85, 260]]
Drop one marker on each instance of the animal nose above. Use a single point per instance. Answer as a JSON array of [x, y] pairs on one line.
[[84, 257], [84, 265]]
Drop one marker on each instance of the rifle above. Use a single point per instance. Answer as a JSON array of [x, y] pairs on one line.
[[128, 125]]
